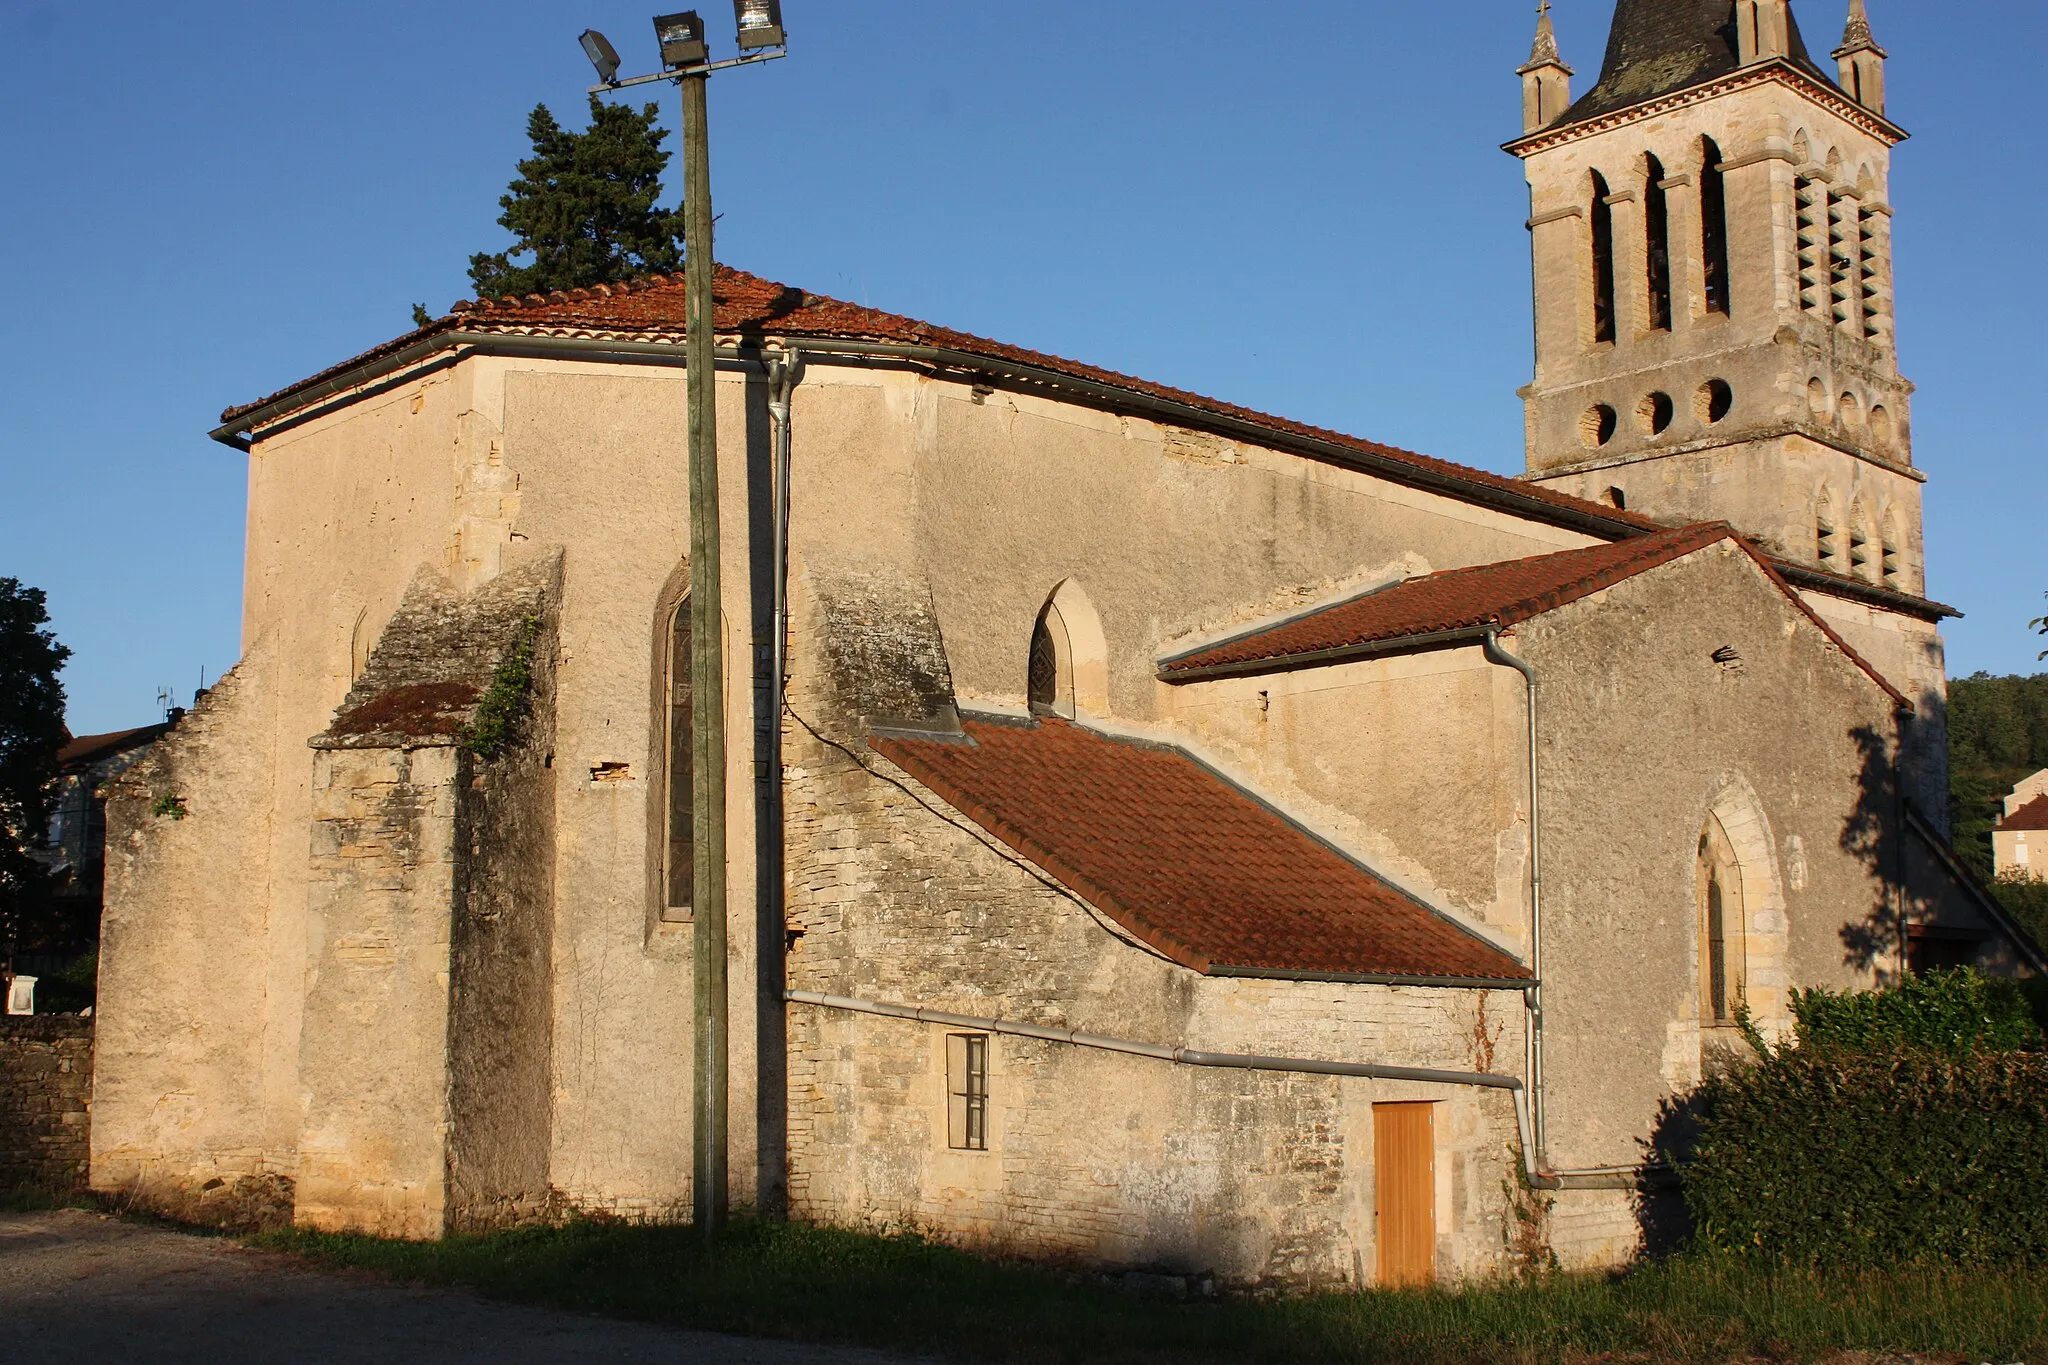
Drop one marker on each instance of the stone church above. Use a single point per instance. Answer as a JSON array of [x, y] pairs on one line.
[[1159, 833]]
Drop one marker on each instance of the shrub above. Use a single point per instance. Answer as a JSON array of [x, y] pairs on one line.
[[1902, 1125], [2026, 900], [1953, 1011], [1832, 1157]]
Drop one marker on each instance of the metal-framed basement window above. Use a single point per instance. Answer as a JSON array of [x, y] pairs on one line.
[[967, 1092]]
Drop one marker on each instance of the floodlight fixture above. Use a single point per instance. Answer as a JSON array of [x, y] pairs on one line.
[[682, 40], [760, 23], [602, 55]]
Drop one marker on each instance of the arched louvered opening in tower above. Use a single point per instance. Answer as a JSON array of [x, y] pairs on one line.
[[1602, 218], [1657, 239], [1714, 227], [1827, 536]]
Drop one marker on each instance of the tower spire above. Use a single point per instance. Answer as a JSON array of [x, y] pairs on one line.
[[1545, 52], [1546, 80], [1856, 36], [1861, 60]]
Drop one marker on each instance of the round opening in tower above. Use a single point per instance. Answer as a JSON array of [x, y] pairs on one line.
[[1851, 411], [1597, 427], [1714, 401], [1881, 426], [1817, 399], [1654, 414]]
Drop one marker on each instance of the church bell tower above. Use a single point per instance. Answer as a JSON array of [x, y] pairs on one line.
[[1712, 249]]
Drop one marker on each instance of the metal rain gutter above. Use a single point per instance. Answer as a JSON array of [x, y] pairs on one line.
[[1280, 663], [236, 433], [297, 402], [1181, 414]]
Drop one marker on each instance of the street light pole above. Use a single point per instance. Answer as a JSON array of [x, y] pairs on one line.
[[709, 1187], [687, 61]]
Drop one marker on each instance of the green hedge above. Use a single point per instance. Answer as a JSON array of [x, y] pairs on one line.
[[1951, 1011], [1902, 1126]]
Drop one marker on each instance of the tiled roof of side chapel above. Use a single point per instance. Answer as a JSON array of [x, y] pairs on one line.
[[1473, 600], [1187, 862], [1660, 47]]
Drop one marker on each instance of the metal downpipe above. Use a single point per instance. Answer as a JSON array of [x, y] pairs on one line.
[[1490, 643]]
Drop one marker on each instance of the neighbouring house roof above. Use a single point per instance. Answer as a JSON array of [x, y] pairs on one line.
[[1187, 862], [1464, 603], [1660, 47], [92, 748], [2032, 816]]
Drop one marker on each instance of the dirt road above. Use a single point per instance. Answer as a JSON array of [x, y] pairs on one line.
[[76, 1287]]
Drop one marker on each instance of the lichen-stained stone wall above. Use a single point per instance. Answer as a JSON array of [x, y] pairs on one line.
[[373, 1154], [501, 1015], [186, 1090], [1097, 1157], [425, 1048], [45, 1102]]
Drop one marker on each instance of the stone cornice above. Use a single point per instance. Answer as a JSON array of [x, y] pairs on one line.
[[1819, 91]]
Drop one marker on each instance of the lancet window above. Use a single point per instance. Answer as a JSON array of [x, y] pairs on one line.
[[1052, 665], [1722, 944], [1657, 237], [679, 865], [1602, 218], [1714, 227]]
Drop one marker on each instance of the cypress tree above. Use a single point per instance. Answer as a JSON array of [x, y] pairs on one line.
[[584, 208]]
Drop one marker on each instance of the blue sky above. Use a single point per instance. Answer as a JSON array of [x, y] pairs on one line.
[[210, 200]]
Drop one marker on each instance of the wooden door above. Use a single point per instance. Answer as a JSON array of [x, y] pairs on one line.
[[1404, 1182]]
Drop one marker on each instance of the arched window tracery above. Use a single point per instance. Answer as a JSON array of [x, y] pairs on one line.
[[1723, 949], [679, 864], [1068, 671], [1052, 665]]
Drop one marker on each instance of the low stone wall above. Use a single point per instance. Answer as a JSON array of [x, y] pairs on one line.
[[45, 1099]]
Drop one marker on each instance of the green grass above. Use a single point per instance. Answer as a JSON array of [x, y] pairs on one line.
[[827, 1286]]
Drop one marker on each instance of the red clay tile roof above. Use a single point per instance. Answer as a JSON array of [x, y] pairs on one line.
[[2033, 815], [1457, 600], [1187, 862], [748, 306], [1502, 594]]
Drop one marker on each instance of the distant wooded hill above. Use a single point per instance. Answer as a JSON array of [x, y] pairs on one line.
[[1997, 734]]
